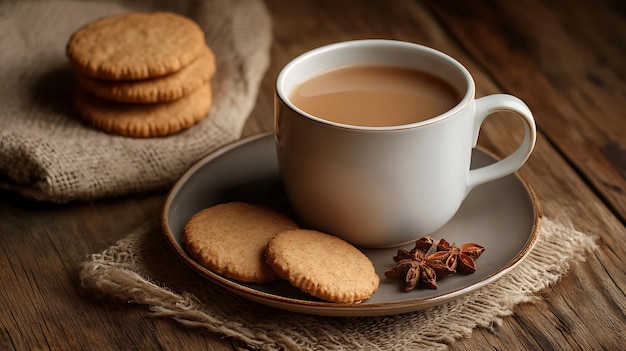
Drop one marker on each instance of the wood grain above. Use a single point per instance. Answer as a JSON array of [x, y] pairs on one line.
[[41, 304], [544, 53], [564, 58]]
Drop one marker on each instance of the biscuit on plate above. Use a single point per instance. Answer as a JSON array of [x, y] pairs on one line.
[[322, 265], [161, 89], [144, 120], [133, 46], [230, 239]]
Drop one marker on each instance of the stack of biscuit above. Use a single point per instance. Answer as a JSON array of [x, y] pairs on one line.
[[142, 74]]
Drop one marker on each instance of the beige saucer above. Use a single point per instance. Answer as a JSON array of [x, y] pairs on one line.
[[248, 169]]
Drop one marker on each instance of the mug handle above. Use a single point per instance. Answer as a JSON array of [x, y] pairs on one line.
[[486, 106]]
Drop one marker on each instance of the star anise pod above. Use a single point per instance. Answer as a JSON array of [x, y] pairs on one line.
[[461, 259], [429, 277], [424, 243], [429, 260], [409, 265], [414, 265], [441, 263]]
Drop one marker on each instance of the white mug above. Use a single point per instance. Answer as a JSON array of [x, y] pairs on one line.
[[386, 186]]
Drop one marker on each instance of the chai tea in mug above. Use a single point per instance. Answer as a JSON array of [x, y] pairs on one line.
[[375, 95], [353, 157]]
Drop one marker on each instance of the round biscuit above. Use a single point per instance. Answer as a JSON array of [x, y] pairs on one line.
[[144, 120], [161, 89], [135, 45], [230, 239], [322, 265]]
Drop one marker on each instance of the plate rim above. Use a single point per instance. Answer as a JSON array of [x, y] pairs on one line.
[[330, 308]]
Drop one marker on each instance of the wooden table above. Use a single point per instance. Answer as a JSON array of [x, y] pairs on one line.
[[566, 59]]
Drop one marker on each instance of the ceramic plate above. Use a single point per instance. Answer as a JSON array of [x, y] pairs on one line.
[[503, 216]]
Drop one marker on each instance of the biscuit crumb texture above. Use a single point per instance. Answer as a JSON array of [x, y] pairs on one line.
[[132, 46], [155, 90], [322, 265], [230, 239], [144, 120]]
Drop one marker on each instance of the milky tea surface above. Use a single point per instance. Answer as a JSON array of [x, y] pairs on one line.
[[375, 96]]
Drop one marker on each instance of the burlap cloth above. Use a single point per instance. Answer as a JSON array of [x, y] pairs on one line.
[[46, 153], [143, 269]]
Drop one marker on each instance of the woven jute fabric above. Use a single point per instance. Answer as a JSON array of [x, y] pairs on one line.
[[48, 154], [142, 268]]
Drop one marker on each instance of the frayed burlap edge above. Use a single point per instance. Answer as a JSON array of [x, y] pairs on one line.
[[128, 271]]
